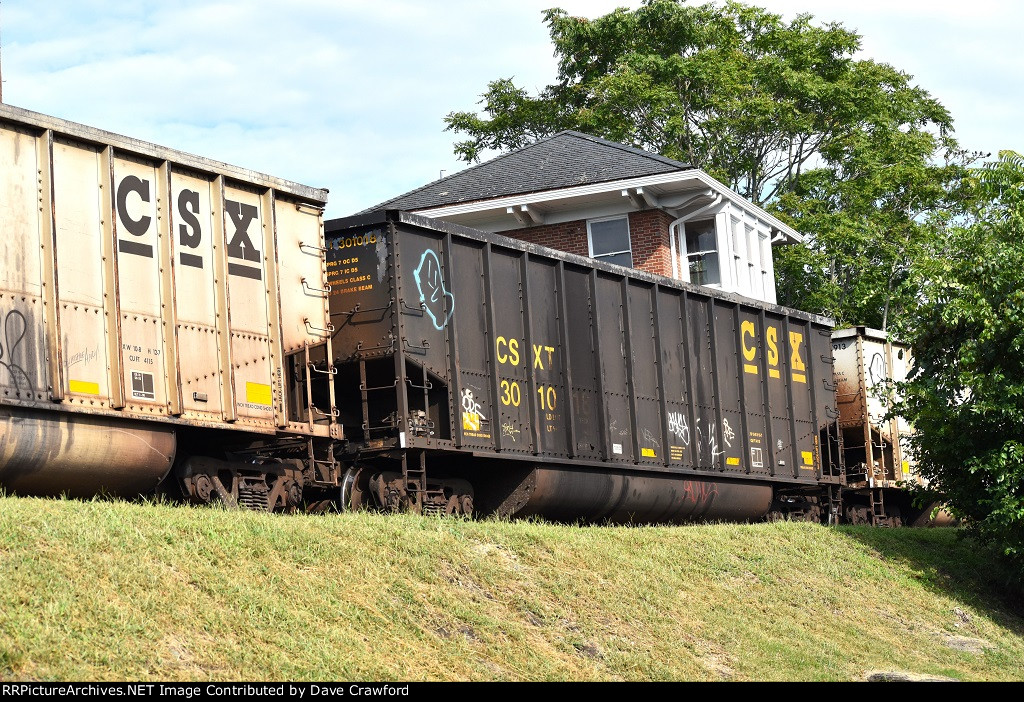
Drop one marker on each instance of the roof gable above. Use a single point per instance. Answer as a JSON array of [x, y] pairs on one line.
[[562, 160]]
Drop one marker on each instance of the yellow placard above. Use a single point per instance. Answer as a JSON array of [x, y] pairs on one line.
[[83, 387], [808, 458], [648, 453], [471, 421], [258, 394], [732, 461]]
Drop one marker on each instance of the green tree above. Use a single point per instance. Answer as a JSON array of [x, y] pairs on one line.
[[870, 215], [848, 150], [966, 395]]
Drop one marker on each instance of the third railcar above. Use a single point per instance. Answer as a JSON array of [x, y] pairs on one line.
[[480, 372]]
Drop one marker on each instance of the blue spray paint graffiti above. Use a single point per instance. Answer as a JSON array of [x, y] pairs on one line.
[[438, 302]]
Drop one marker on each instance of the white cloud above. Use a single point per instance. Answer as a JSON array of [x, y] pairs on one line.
[[351, 95]]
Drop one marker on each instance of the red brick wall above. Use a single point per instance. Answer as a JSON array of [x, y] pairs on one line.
[[648, 233], [570, 237]]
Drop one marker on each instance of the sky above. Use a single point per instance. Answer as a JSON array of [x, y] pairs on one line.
[[351, 95]]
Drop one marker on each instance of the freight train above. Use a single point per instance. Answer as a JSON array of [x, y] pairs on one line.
[[168, 319]]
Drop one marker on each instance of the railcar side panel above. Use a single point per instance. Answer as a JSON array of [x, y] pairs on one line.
[[587, 421], [195, 284], [140, 203], [673, 383], [88, 334], [23, 367], [547, 355], [142, 282]]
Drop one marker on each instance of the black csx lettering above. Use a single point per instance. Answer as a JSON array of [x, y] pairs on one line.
[[240, 215]]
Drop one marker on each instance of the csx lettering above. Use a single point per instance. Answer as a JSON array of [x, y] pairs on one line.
[[537, 350], [771, 334], [797, 363], [189, 232], [795, 340], [135, 227], [749, 352], [510, 354], [241, 216], [133, 184], [748, 341], [747, 329]]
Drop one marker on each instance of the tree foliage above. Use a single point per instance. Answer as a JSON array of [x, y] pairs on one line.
[[848, 150], [966, 396], [869, 217]]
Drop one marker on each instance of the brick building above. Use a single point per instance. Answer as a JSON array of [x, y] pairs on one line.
[[615, 203]]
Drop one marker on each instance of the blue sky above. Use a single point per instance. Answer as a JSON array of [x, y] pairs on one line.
[[350, 95]]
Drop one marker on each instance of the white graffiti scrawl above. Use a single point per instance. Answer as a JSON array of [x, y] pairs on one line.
[[471, 414], [712, 440], [727, 433], [678, 427], [510, 430]]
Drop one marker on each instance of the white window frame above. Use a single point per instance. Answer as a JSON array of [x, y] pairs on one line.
[[743, 245], [629, 239], [687, 254]]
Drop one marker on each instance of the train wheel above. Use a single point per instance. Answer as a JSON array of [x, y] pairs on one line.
[[459, 506], [353, 493], [203, 487]]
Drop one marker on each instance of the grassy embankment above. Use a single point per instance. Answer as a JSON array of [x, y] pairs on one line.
[[107, 590]]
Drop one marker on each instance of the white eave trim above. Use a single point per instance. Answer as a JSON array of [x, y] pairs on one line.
[[502, 204]]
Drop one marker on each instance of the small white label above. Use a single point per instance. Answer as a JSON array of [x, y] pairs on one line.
[[401, 439], [616, 448]]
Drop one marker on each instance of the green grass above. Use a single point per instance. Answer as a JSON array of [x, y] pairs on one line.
[[112, 590]]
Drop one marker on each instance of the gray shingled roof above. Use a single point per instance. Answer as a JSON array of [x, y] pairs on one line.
[[563, 160]]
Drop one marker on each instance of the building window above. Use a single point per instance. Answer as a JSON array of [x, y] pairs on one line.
[[702, 252], [609, 240]]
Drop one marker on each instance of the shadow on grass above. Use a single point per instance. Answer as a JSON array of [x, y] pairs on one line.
[[948, 562]]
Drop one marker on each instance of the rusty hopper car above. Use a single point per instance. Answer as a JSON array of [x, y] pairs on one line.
[[878, 462], [156, 309], [475, 371]]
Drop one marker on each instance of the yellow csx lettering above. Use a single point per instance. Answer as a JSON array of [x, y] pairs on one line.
[[772, 335], [507, 350], [749, 352], [537, 350], [748, 341], [797, 363]]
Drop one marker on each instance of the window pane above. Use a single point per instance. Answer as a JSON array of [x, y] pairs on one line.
[[739, 243], [610, 236], [704, 269], [700, 236], [620, 259]]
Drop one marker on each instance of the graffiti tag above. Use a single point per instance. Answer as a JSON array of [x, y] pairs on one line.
[[438, 302]]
